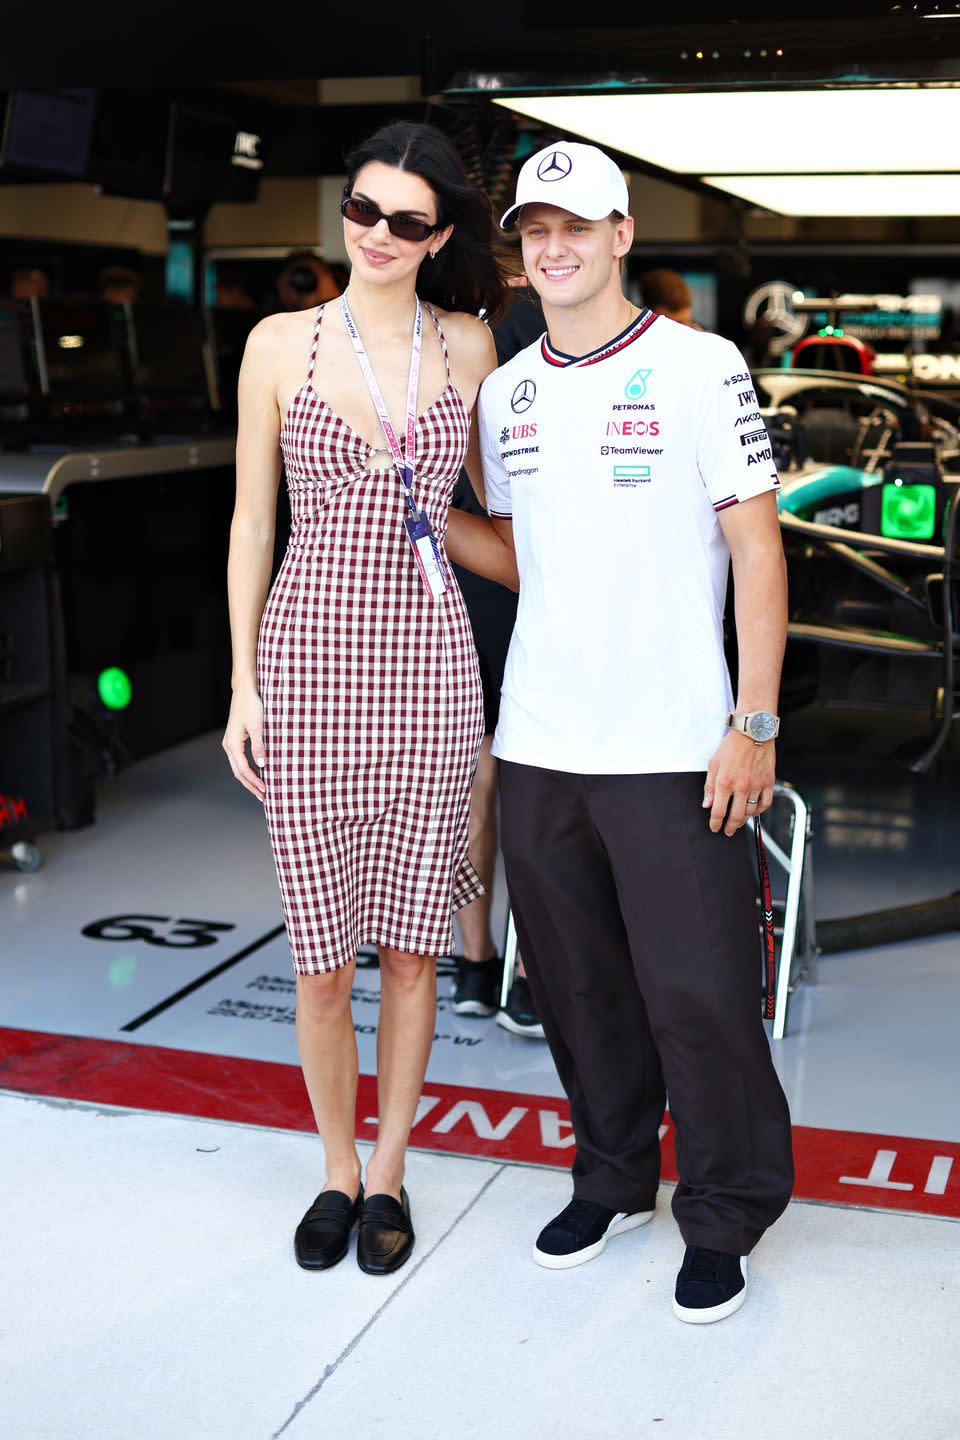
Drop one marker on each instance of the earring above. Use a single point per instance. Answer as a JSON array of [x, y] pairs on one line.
[[433, 254]]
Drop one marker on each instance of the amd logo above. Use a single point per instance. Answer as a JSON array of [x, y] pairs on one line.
[[848, 514]]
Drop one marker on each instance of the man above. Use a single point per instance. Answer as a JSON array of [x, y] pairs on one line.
[[625, 462], [665, 292], [119, 284], [29, 283], [305, 281]]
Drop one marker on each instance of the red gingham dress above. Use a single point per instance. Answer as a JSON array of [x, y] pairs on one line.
[[373, 709]]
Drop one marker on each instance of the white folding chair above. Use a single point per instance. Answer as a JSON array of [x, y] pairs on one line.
[[509, 958], [798, 932]]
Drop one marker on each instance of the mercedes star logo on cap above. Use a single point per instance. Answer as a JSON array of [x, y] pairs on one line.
[[523, 397], [555, 166]]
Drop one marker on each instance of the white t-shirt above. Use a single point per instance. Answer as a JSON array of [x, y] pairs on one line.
[[613, 467]]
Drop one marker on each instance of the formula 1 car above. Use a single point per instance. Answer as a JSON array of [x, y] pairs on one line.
[[868, 511]]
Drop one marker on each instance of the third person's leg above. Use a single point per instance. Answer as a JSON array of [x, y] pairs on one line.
[[477, 985]]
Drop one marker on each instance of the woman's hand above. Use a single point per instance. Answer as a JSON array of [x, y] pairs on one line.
[[246, 723]]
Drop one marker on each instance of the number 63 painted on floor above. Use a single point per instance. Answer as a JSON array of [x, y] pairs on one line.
[[185, 935]]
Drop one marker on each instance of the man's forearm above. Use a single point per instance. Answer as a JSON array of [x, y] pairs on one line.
[[760, 590], [473, 543]]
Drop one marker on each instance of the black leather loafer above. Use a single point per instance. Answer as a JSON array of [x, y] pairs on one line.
[[324, 1232], [385, 1239]]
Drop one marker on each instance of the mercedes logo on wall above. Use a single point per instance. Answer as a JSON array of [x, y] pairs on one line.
[[555, 166], [523, 397], [773, 303]]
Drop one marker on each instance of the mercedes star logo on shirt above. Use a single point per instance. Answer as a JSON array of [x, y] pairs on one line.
[[556, 166], [523, 397]]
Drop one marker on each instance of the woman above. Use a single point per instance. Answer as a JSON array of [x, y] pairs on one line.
[[356, 684]]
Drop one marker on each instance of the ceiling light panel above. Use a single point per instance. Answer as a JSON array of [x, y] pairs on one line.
[[889, 195], [766, 132]]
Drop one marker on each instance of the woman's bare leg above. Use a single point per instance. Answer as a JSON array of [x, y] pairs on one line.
[[328, 1054], [408, 1007]]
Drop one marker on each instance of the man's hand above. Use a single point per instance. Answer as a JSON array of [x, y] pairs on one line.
[[739, 773]]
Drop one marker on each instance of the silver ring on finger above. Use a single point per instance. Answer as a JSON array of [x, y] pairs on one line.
[[754, 802]]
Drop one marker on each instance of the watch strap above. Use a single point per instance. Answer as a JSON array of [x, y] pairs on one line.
[[740, 720]]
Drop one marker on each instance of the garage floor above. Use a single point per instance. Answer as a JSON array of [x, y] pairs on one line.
[[162, 1148]]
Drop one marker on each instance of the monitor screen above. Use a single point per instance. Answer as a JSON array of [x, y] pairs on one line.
[[130, 144], [80, 351], [49, 130], [199, 154], [229, 329], [168, 343], [13, 374]]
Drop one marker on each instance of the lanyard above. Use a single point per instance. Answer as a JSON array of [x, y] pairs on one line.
[[766, 908], [405, 466]]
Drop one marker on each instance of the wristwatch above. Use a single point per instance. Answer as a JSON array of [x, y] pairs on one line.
[[759, 725]]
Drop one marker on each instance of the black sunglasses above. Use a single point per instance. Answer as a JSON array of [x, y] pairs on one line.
[[404, 227]]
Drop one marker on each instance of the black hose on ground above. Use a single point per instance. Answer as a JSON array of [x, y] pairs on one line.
[[904, 922]]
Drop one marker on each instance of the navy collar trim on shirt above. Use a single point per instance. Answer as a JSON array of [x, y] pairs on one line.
[[634, 330]]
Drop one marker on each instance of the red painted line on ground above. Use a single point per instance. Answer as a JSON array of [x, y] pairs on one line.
[[840, 1167]]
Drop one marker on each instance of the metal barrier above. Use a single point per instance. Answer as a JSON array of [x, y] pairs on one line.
[[509, 958], [797, 934], [797, 958]]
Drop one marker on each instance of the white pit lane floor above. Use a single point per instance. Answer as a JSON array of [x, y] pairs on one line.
[[150, 1291], [149, 1283]]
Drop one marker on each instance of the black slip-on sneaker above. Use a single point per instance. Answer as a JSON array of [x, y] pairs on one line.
[[476, 989], [711, 1285], [581, 1231], [519, 1015]]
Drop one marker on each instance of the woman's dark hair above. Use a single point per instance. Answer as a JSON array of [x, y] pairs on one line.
[[465, 275]]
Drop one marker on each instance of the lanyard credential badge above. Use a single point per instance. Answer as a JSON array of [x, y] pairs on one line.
[[427, 553], [426, 550]]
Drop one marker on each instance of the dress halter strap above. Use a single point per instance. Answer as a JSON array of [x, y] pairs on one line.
[[440, 335], [316, 342]]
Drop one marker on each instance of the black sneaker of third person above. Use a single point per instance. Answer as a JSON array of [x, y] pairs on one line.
[[519, 1015], [711, 1285], [476, 989]]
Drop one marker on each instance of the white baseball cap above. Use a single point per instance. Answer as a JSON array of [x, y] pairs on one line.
[[578, 178]]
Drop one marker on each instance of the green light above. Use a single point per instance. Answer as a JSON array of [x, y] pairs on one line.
[[838, 332], [114, 688], [908, 512]]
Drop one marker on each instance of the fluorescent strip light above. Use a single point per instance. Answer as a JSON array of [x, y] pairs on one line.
[[846, 194], [766, 132]]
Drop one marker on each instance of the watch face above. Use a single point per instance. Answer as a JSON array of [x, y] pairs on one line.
[[762, 725]]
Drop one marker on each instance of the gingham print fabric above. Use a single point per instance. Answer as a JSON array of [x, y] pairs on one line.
[[373, 710]]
